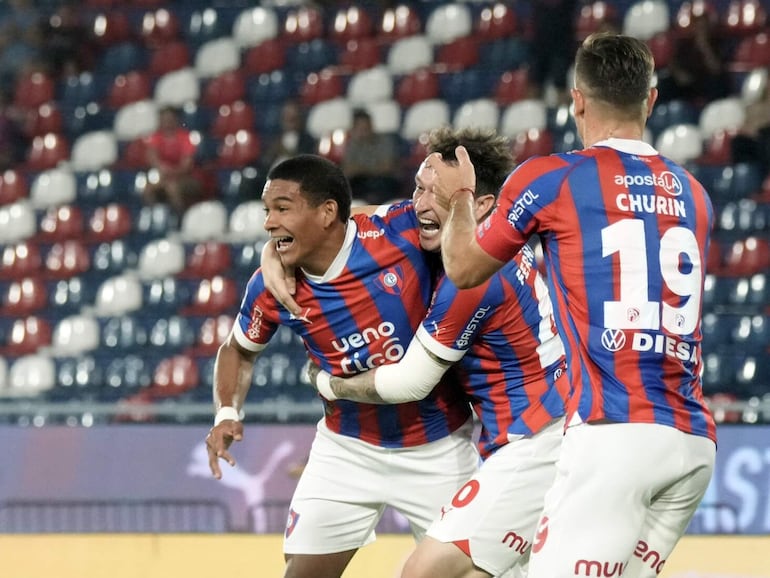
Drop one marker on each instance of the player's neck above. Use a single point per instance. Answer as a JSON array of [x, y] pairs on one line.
[[606, 131], [325, 253]]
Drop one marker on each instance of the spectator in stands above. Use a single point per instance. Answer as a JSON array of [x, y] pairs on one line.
[[696, 72], [66, 47], [553, 46], [171, 157], [12, 140], [752, 143], [370, 162], [20, 40], [293, 138]]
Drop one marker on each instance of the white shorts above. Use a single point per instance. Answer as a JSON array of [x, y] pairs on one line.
[[347, 484], [494, 515], [623, 496]]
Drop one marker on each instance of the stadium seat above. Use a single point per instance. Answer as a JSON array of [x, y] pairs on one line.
[[254, 26], [80, 90], [399, 21], [247, 260], [751, 376], [496, 21], [328, 116], [123, 334], [505, 54], [169, 58], [13, 187], [269, 88], [172, 334], [750, 292], [360, 54], [74, 335], [743, 17], [267, 56], [129, 374], [680, 142], [231, 118], [386, 116], [136, 120], [213, 296], [204, 221], [61, 223], [177, 88], [31, 375], [108, 223], [246, 222], [303, 24], [523, 115], [17, 222], [646, 18], [714, 258], [27, 296], [127, 88], [110, 28], [174, 376], [47, 118], [113, 258], [448, 22], [532, 142], [717, 330], [718, 373], [19, 259], [751, 334], [424, 116], [751, 53], [161, 258], [594, 16], [372, 85], [121, 58], [33, 90], [213, 332], [27, 335], [717, 149], [725, 114], [207, 259], [159, 27], [480, 113], [68, 296], [415, 86], [78, 377], [747, 257], [164, 296], [735, 182], [94, 150], [754, 85], [206, 24], [690, 10], [52, 188], [216, 57], [512, 86], [225, 88], [662, 46], [47, 151], [155, 221], [320, 86], [409, 54], [118, 295], [239, 150], [311, 56], [459, 54], [350, 23], [67, 259], [332, 145]]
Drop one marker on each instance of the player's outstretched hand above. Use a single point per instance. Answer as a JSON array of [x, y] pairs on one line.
[[218, 443], [451, 177], [280, 281]]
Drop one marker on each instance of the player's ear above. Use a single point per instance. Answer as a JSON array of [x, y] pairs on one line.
[[483, 205], [330, 211]]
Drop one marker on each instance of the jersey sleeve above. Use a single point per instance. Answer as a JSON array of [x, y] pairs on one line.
[[257, 319]]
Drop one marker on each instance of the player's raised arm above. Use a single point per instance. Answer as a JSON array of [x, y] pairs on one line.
[[279, 280], [465, 263], [232, 378]]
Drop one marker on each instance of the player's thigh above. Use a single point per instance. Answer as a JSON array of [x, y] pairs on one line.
[[432, 558], [317, 566], [672, 509], [493, 516]]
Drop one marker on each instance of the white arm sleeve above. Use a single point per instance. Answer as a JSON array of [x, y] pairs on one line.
[[412, 378]]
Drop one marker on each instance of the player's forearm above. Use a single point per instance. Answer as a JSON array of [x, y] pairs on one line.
[[458, 243], [359, 388], [232, 376]]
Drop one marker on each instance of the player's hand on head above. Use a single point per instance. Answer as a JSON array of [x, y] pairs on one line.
[[451, 177], [279, 280], [218, 443]]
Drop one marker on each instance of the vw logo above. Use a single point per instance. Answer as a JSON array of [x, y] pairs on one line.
[[613, 339]]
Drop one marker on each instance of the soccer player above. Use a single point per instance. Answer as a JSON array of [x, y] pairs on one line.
[[625, 234], [503, 337], [364, 286]]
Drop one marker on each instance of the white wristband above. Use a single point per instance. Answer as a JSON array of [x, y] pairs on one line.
[[323, 385], [225, 413]]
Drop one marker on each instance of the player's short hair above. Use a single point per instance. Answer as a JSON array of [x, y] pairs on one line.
[[615, 69], [319, 180], [490, 154]]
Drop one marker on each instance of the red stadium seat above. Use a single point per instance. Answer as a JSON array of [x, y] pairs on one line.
[[714, 258], [33, 90], [67, 259], [27, 335], [43, 119], [332, 146], [457, 55], [173, 376], [689, 11], [26, 296], [744, 17], [662, 48], [747, 257], [225, 88], [532, 142], [169, 57], [239, 150], [13, 187], [595, 16], [360, 54], [212, 297], [159, 27], [752, 52], [717, 149], [419, 85], [111, 27], [206, 260], [47, 151], [267, 56], [302, 24], [496, 22], [512, 86], [20, 260], [108, 223], [399, 22], [231, 118], [320, 86], [61, 224], [351, 23], [213, 332], [128, 88], [134, 155]]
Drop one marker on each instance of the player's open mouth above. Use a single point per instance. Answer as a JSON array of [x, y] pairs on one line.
[[283, 243], [429, 227]]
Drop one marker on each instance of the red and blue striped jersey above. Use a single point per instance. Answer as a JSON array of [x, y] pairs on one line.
[[625, 234], [513, 362], [362, 314]]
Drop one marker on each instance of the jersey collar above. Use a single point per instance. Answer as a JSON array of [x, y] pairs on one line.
[[630, 146]]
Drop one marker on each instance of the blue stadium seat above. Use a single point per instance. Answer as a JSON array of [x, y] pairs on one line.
[[155, 221], [87, 118], [504, 54], [128, 374], [736, 182], [78, 378], [165, 297], [122, 58], [68, 296], [113, 258], [312, 56], [79, 90], [459, 87], [717, 331], [169, 335], [719, 372], [123, 335], [273, 87], [751, 335], [667, 114], [752, 376], [207, 24], [750, 292]]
